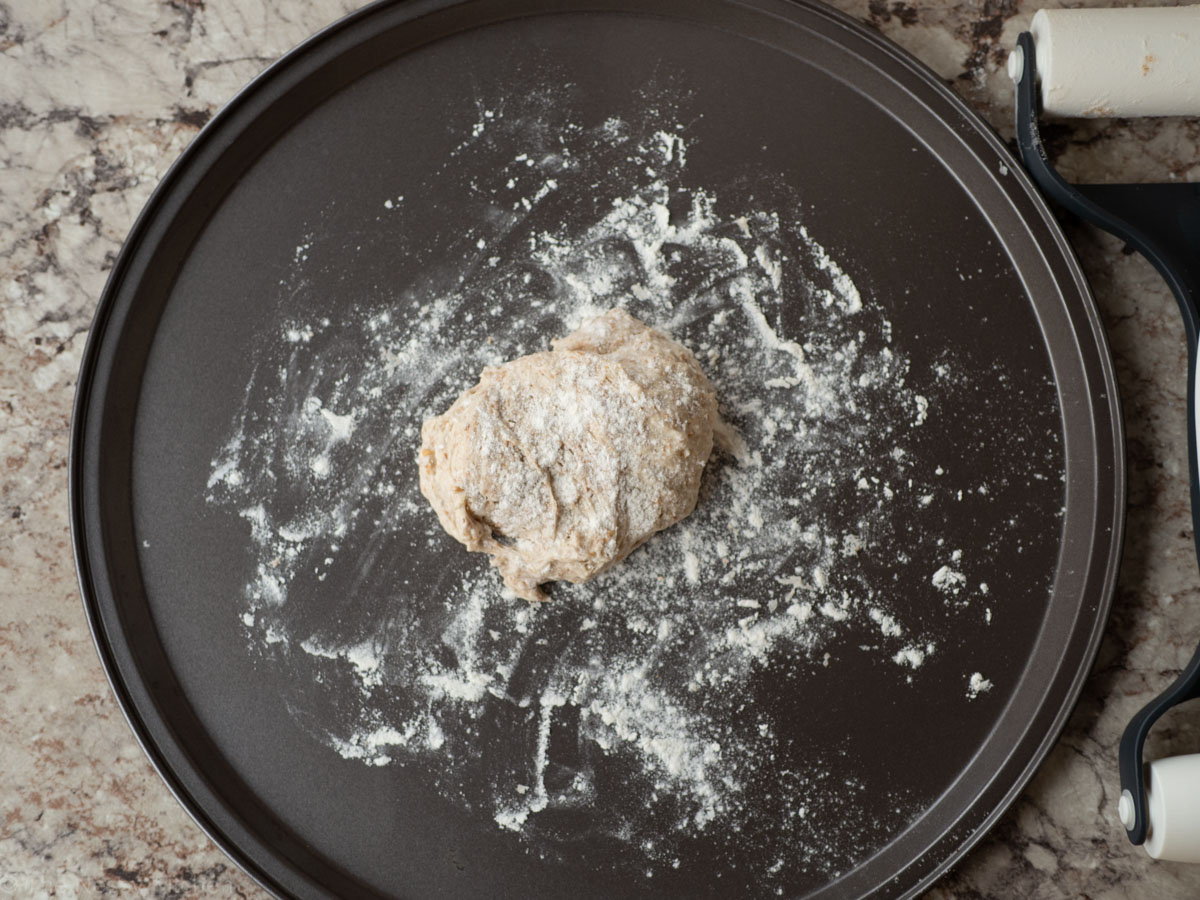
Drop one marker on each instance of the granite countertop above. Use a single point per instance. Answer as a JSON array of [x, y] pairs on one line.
[[96, 101]]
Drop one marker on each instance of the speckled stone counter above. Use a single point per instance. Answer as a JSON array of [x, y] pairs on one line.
[[96, 101]]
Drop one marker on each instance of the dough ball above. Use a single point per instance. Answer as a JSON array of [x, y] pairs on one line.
[[559, 464]]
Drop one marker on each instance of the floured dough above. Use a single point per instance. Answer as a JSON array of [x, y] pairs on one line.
[[559, 464]]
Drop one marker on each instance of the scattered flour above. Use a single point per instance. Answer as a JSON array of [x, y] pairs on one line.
[[977, 685], [949, 581], [623, 699]]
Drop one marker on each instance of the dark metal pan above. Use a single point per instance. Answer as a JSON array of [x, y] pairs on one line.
[[964, 506]]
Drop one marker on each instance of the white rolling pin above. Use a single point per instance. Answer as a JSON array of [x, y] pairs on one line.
[[1142, 61], [1173, 798]]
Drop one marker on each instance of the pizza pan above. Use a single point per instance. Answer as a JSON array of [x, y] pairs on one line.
[[830, 681]]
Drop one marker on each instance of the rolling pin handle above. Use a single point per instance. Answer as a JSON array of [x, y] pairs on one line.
[[1130, 762]]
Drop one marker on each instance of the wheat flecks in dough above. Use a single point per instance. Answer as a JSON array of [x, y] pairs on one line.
[[559, 464]]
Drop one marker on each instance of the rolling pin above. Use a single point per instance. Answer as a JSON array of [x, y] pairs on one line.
[[1132, 62], [1117, 62]]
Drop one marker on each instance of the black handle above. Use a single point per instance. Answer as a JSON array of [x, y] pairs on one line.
[[1162, 222]]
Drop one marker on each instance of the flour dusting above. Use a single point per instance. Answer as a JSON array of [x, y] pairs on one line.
[[977, 685], [619, 709]]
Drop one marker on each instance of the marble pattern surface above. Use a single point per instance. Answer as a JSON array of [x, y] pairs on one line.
[[98, 98]]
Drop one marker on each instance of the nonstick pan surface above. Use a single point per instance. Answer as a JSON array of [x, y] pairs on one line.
[[830, 681]]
